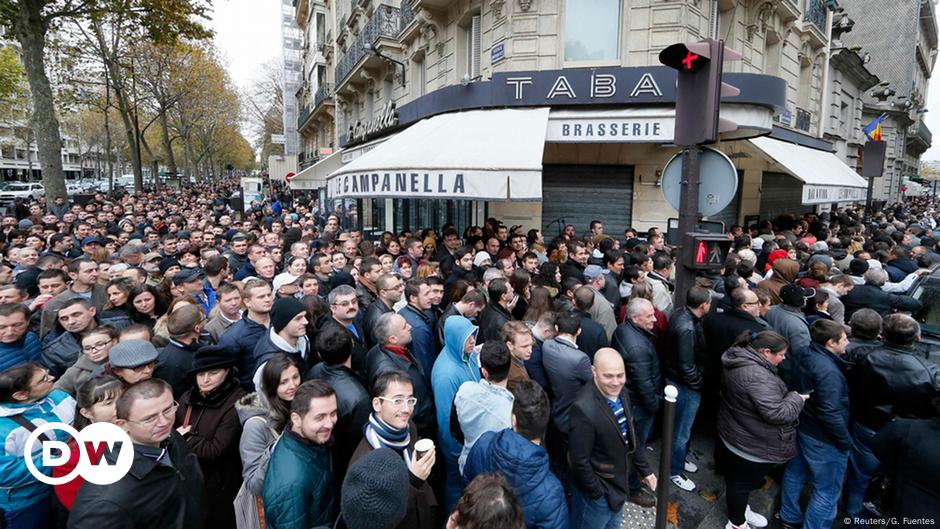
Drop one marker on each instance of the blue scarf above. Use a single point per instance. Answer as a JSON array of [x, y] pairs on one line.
[[379, 434]]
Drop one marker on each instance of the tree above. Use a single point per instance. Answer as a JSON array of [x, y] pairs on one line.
[[30, 21], [11, 74], [265, 103]]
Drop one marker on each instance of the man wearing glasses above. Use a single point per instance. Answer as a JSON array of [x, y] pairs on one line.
[[390, 426], [164, 487], [344, 310]]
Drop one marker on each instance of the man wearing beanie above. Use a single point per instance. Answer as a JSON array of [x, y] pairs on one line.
[[375, 491], [288, 334]]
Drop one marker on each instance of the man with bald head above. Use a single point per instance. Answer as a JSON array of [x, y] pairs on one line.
[[601, 414]]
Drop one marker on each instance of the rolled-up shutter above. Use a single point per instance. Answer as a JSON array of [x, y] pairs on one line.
[[578, 194], [781, 194]]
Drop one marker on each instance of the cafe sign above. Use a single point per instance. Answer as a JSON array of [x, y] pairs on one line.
[[364, 130]]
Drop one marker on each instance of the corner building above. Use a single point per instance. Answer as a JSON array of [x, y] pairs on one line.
[[547, 112]]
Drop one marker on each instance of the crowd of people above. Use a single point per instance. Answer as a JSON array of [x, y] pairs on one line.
[[276, 368]]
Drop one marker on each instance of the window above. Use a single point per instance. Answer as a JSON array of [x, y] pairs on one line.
[[473, 46], [592, 30], [321, 29], [420, 74]]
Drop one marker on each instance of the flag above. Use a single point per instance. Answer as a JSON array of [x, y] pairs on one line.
[[873, 129]]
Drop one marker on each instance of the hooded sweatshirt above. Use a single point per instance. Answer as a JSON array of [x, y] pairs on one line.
[[785, 271], [451, 369]]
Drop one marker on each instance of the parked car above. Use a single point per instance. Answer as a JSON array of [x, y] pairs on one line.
[[28, 190]]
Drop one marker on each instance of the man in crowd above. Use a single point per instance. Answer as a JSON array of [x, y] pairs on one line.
[[176, 359], [593, 336], [484, 405], [518, 339], [230, 310], [685, 356], [633, 340], [389, 289], [417, 313], [298, 487], [164, 487], [605, 436], [498, 311], [84, 276], [824, 439], [18, 344], [243, 336]]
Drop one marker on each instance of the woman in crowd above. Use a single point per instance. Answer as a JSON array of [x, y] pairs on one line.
[[264, 415], [95, 346], [119, 292], [404, 267], [146, 304], [94, 402], [539, 303], [207, 419], [757, 420], [549, 276]]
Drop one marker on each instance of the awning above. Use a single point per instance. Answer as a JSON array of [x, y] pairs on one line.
[[314, 177], [474, 155], [825, 177]]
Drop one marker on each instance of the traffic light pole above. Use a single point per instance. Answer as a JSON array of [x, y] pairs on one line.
[[688, 222]]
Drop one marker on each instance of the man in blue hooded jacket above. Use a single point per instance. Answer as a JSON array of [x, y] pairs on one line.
[[518, 455], [458, 362]]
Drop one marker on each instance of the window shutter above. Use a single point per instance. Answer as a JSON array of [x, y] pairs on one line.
[[475, 37]]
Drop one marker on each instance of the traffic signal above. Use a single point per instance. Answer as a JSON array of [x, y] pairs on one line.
[[699, 90], [709, 251]]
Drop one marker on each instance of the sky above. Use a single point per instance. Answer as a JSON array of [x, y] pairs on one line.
[[932, 118], [248, 33]]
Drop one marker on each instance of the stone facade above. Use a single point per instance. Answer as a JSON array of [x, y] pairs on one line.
[[439, 43]]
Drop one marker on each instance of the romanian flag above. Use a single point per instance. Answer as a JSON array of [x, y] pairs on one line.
[[873, 129]]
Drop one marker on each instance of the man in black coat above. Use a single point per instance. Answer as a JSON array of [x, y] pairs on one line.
[[634, 341], [165, 486], [497, 312], [871, 296], [353, 402], [578, 256], [592, 335], [390, 288], [722, 329], [893, 380], [605, 446], [684, 358], [176, 359], [391, 354]]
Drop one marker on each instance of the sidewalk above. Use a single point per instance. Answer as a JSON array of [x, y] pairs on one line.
[[704, 507]]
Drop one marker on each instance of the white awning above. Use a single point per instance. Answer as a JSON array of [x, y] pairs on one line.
[[825, 177], [474, 155], [314, 176]]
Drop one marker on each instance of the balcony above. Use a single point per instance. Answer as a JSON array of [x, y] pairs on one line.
[[407, 14], [804, 120], [815, 14], [919, 138], [306, 159], [385, 23], [304, 114], [324, 92]]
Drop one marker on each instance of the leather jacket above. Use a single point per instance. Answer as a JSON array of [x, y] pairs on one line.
[[685, 350], [893, 381]]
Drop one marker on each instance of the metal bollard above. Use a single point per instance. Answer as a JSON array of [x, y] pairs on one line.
[[669, 425]]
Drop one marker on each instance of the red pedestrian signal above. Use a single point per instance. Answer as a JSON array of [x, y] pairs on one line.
[[710, 251], [680, 57]]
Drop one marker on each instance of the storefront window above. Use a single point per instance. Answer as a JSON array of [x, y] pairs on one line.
[[592, 30], [416, 214]]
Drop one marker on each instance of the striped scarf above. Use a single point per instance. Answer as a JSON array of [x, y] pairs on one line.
[[379, 434]]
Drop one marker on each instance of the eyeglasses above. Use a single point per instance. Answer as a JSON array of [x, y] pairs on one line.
[[399, 402], [46, 378], [168, 413], [347, 303], [96, 347]]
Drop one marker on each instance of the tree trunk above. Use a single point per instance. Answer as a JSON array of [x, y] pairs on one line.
[[167, 145], [30, 30]]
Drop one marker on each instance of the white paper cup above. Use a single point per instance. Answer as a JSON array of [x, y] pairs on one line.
[[422, 447]]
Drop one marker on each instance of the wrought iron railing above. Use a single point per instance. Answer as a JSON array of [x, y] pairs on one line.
[[304, 114], [816, 14], [324, 92], [385, 22], [803, 119], [407, 13]]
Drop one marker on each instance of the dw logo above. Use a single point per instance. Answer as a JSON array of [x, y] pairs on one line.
[[109, 444]]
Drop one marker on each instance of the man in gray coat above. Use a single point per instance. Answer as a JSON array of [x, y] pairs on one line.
[[788, 319], [567, 369]]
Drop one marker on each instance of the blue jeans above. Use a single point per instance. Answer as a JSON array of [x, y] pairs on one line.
[[587, 513], [686, 407], [823, 465], [643, 426], [862, 466]]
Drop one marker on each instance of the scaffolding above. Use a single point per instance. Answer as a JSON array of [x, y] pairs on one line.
[[292, 75]]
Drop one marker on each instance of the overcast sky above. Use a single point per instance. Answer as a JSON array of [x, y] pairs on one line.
[[248, 33]]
